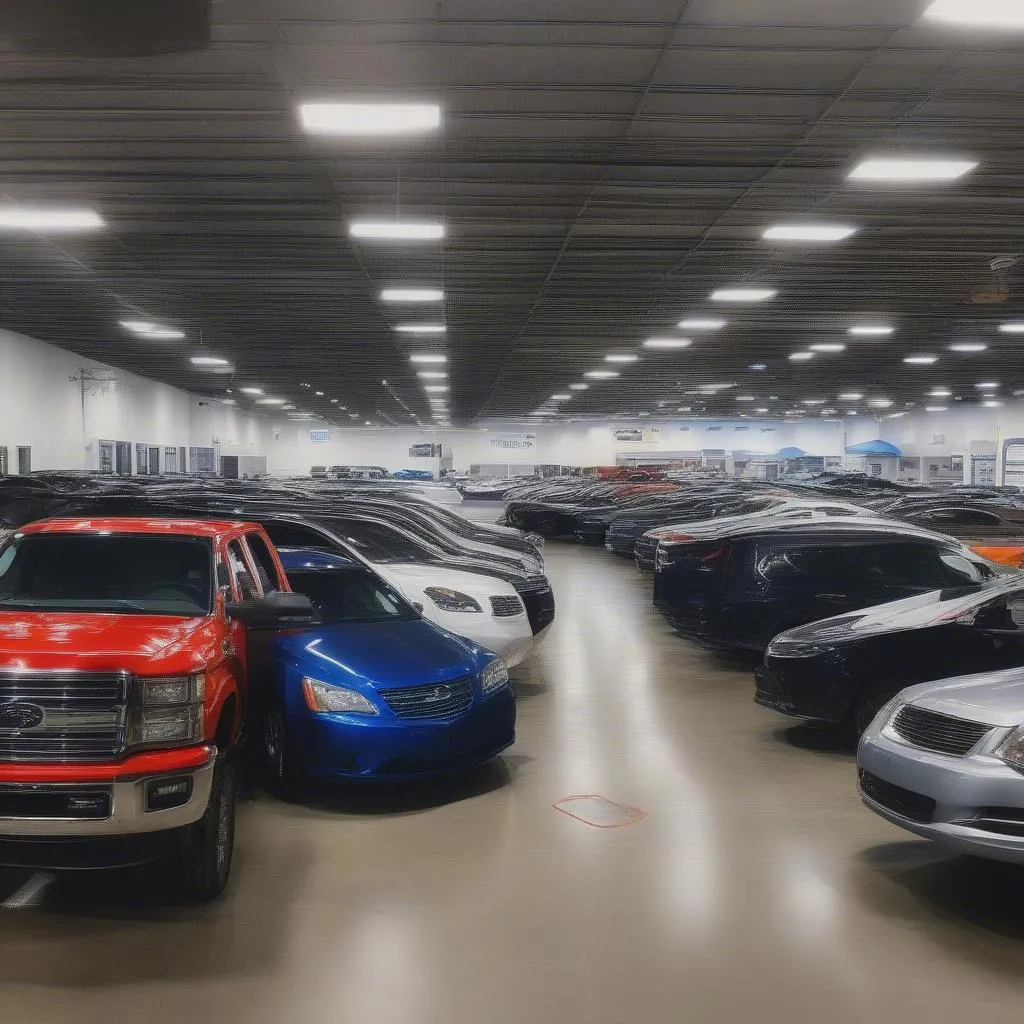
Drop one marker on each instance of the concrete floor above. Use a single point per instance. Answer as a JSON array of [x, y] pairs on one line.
[[755, 889]]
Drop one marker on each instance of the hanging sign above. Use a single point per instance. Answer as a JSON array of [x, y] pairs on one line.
[[319, 435], [514, 442]]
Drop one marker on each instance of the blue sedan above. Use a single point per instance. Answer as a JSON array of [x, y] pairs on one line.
[[374, 690]]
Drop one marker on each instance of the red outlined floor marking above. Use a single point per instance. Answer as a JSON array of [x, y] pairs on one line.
[[599, 811]]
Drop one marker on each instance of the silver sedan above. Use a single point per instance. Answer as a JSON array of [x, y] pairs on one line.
[[945, 760]]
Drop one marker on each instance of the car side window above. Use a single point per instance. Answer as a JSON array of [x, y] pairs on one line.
[[957, 517], [961, 572], [291, 535], [912, 565], [264, 563], [244, 583]]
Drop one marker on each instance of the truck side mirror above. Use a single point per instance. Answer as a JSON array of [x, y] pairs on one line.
[[278, 610]]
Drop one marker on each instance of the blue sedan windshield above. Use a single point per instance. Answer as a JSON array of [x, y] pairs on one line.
[[350, 594]]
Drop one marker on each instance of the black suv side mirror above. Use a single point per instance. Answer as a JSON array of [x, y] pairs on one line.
[[278, 610]]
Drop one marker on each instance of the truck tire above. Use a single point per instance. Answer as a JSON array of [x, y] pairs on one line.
[[206, 863]]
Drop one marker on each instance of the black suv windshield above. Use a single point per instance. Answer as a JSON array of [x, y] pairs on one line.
[[98, 572], [350, 594]]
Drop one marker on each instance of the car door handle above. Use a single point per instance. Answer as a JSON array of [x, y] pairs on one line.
[[832, 597]]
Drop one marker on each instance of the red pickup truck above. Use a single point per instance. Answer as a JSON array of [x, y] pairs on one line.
[[123, 689]]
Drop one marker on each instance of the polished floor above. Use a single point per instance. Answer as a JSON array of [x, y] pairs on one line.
[[753, 887]]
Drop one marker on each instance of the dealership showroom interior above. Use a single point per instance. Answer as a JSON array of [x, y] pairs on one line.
[[511, 511]]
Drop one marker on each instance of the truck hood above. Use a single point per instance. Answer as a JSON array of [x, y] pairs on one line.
[[400, 652], [995, 698], [104, 642]]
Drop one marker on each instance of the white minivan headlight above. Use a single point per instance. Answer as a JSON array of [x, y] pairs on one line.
[[449, 600]]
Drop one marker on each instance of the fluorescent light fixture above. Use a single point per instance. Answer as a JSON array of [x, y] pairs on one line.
[[746, 398], [435, 387], [319, 394], [256, 391], [921, 360], [208, 361], [936, 408], [334, 401], [758, 366], [987, 386], [979, 13], [991, 404], [432, 375], [578, 387], [705, 324], [428, 357], [814, 401], [150, 330], [620, 358], [850, 396], [743, 294], [808, 233], [601, 374], [967, 346], [800, 357], [940, 393], [685, 408], [270, 401], [228, 401], [828, 347], [369, 118], [667, 343], [871, 330], [1012, 328], [397, 230], [55, 221], [411, 295], [880, 403], [420, 328], [560, 398], [897, 169]]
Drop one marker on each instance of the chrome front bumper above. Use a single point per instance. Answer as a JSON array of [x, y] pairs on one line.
[[128, 814]]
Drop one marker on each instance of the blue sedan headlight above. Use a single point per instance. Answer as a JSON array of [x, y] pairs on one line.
[[322, 698], [494, 677]]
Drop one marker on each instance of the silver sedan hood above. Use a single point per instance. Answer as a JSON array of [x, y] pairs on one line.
[[995, 698]]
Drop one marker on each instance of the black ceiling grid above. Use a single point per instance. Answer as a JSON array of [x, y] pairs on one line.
[[602, 168]]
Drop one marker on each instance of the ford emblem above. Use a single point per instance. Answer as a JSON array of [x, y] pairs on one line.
[[437, 694], [20, 715]]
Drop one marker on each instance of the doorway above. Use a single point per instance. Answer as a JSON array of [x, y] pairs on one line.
[[123, 458], [24, 460]]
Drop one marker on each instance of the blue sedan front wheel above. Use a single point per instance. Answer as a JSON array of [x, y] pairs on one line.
[[278, 770]]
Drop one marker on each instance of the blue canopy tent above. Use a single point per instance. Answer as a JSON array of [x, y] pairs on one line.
[[876, 448], [791, 453]]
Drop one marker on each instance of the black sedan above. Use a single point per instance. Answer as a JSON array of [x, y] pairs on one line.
[[842, 670]]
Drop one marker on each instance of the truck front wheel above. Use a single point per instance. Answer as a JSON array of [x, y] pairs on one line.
[[206, 863]]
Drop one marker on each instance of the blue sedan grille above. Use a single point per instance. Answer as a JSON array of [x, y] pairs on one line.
[[435, 700]]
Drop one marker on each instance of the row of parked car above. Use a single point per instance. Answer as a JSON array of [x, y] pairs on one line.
[[894, 613], [156, 638]]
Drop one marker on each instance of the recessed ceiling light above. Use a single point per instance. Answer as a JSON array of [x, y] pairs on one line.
[[396, 230], [921, 360], [743, 294], [914, 169], [420, 328], [702, 324], [936, 408], [435, 387], [150, 330], [991, 404], [1014, 328], [270, 401], [850, 396], [667, 343], [578, 387], [808, 233], [746, 398], [871, 330], [979, 13], [208, 361], [880, 403], [987, 386], [428, 357], [758, 366], [432, 375], [24, 218], [369, 118], [319, 394], [560, 398], [411, 295], [828, 347], [965, 346], [620, 358], [601, 374], [800, 357], [251, 391], [940, 393]]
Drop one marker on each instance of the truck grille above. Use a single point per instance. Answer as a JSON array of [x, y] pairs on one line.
[[68, 716], [505, 605], [930, 730], [435, 700]]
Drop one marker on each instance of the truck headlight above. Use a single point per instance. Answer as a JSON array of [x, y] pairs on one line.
[[452, 600], [322, 698], [164, 690], [493, 677], [165, 727], [1011, 750]]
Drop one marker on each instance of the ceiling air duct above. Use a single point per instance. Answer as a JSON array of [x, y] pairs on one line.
[[106, 28]]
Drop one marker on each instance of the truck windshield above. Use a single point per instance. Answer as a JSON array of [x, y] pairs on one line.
[[140, 574], [350, 594]]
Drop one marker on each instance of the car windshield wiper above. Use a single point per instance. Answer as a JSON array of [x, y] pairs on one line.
[[45, 604]]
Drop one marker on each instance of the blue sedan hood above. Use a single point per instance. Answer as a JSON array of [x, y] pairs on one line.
[[403, 652]]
